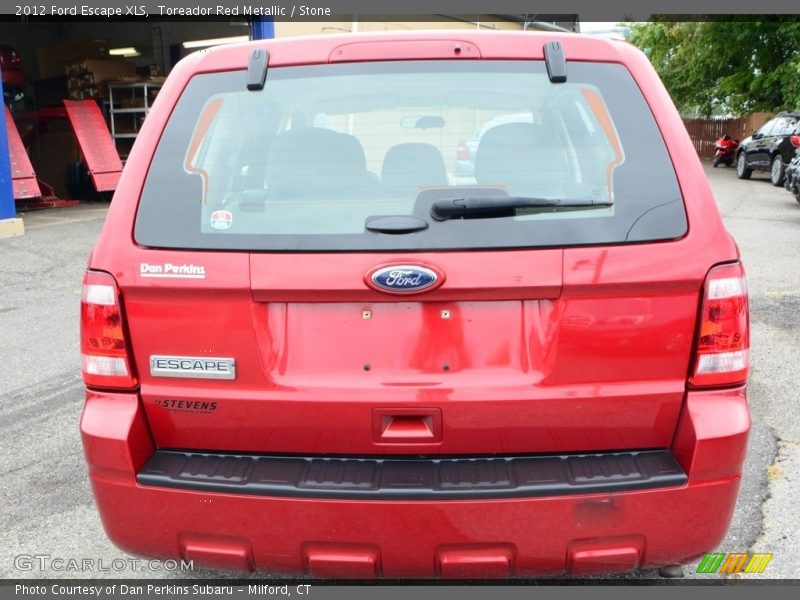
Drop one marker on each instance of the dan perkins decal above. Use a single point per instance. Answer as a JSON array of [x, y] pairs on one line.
[[172, 271], [221, 219]]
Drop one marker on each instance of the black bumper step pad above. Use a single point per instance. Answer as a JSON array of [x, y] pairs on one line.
[[412, 479]]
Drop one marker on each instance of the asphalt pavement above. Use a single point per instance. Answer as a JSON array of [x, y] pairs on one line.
[[47, 508], [765, 221]]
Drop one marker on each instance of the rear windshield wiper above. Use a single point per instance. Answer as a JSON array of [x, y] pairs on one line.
[[487, 207]]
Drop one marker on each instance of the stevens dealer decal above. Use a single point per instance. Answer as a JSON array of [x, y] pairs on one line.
[[188, 406]]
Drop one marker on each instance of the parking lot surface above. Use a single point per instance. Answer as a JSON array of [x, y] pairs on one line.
[[47, 506]]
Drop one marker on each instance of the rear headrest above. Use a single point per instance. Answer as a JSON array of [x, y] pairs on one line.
[[524, 157], [412, 166], [315, 159]]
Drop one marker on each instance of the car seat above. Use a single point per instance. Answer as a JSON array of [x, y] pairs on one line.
[[314, 161], [409, 167], [523, 158]]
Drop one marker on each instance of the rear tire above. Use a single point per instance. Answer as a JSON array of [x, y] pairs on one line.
[[742, 170], [776, 171]]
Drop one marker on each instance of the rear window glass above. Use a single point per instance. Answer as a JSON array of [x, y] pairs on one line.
[[309, 161]]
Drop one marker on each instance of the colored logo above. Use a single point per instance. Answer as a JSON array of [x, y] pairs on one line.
[[404, 279], [734, 562], [221, 219]]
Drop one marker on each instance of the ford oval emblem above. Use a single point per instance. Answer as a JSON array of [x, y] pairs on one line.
[[404, 279]]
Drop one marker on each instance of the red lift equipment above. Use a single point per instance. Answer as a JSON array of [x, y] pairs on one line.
[[94, 140]]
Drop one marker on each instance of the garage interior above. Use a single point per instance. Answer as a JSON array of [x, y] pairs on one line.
[[77, 91]]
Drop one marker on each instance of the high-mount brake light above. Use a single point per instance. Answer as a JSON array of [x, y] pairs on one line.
[[723, 341], [104, 349]]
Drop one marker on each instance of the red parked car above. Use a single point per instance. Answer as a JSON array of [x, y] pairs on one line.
[[307, 348]]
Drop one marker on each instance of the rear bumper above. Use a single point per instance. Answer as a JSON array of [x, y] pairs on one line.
[[548, 535], [409, 478]]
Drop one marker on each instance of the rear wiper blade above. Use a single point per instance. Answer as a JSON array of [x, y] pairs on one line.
[[486, 207]]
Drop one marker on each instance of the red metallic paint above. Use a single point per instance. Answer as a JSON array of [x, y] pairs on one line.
[[338, 277], [349, 561], [309, 374], [431, 48], [722, 419], [478, 561], [552, 351], [216, 551], [669, 526], [407, 426], [614, 555]]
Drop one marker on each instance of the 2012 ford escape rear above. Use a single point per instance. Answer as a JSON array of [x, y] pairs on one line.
[[311, 346]]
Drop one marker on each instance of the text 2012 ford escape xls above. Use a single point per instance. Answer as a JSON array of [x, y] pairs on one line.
[[309, 346]]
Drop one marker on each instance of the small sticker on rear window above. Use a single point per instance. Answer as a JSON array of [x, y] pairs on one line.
[[221, 219]]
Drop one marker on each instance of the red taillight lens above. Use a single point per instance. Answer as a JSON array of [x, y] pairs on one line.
[[795, 139], [463, 152], [104, 349], [723, 342]]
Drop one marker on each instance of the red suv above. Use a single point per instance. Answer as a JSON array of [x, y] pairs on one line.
[[308, 347]]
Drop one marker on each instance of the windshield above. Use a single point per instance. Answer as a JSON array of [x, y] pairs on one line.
[[306, 163]]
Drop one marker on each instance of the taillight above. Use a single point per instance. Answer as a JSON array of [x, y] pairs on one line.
[[795, 139], [723, 341], [104, 349], [463, 152]]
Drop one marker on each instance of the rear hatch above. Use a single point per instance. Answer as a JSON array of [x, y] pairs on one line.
[[527, 365], [312, 277]]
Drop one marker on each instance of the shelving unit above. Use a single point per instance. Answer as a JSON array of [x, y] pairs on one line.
[[129, 104]]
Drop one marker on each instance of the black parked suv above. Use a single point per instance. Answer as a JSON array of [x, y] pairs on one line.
[[771, 148]]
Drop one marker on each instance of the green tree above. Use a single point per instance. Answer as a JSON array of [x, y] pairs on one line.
[[721, 66]]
